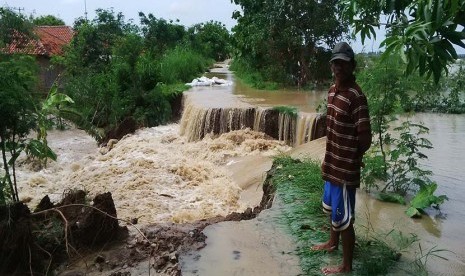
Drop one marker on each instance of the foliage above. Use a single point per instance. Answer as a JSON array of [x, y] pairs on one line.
[[211, 39], [160, 35], [17, 81], [48, 20], [91, 47], [455, 100], [38, 148], [117, 70], [419, 264], [396, 150], [391, 197], [402, 161], [422, 32], [289, 110], [299, 186], [425, 198], [181, 65], [12, 24], [283, 40], [251, 76]]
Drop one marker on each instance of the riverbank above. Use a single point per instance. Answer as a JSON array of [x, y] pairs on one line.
[[189, 165]]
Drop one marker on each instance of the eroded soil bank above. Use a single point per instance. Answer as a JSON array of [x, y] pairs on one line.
[[154, 176]]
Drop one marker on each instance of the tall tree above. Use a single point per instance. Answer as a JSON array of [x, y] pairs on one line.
[[17, 82], [422, 31], [161, 34], [48, 20], [211, 39], [92, 45], [289, 36]]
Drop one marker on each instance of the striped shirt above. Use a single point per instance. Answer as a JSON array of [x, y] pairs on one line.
[[348, 134]]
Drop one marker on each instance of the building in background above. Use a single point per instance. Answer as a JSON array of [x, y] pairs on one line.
[[49, 42]]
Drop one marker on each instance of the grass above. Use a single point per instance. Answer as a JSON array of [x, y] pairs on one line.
[[299, 185], [289, 110]]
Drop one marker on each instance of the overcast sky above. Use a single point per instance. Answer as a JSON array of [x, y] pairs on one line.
[[189, 12]]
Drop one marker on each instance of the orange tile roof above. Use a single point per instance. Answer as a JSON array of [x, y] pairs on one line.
[[50, 41]]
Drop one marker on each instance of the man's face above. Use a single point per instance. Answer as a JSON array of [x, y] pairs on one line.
[[341, 69]]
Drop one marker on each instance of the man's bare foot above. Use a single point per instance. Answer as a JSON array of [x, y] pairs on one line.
[[335, 270], [328, 246]]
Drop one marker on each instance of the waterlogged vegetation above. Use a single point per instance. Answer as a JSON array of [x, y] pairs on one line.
[[392, 163], [299, 185], [287, 110]]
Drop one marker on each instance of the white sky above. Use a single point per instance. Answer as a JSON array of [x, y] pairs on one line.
[[189, 12]]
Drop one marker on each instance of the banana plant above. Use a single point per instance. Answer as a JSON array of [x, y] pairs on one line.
[[38, 148]]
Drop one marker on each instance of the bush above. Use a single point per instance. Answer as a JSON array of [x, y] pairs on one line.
[[181, 65]]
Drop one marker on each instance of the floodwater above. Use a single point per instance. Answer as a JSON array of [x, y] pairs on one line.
[[437, 230], [157, 175], [154, 175]]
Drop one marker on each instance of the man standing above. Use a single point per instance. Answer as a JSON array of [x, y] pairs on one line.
[[348, 134]]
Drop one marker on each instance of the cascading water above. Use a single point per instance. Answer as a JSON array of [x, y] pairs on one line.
[[197, 121]]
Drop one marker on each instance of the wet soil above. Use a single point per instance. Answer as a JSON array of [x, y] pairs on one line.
[[88, 240], [151, 249]]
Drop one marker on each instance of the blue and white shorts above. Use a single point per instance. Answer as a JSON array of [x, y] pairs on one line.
[[339, 201]]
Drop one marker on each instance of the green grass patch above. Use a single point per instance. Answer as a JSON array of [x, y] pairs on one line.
[[289, 110], [253, 77], [299, 185]]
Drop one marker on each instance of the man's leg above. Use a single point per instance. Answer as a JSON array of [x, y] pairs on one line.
[[343, 224], [333, 242], [348, 244]]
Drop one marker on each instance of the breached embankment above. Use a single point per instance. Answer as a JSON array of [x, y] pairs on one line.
[[159, 176]]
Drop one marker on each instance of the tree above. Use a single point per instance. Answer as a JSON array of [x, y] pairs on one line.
[[48, 20], [160, 34], [211, 39], [17, 81], [13, 26], [287, 37], [423, 32], [91, 47]]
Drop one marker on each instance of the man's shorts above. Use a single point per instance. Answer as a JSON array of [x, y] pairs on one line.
[[339, 201]]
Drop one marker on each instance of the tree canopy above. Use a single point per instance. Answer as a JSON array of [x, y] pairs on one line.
[[48, 20], [288, 36], [211, 38], [424, 32], [12, 24]]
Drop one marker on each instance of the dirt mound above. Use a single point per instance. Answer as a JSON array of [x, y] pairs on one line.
[[33, 242]]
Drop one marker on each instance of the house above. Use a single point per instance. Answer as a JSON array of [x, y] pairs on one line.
[[49, 42]]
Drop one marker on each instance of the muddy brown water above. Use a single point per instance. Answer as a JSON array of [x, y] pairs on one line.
[[437, 230], [172, 179]]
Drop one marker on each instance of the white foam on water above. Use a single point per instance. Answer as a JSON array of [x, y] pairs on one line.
[[154, 175]]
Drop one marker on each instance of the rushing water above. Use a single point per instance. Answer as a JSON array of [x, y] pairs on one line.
[[159, 175], [438, 229]]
